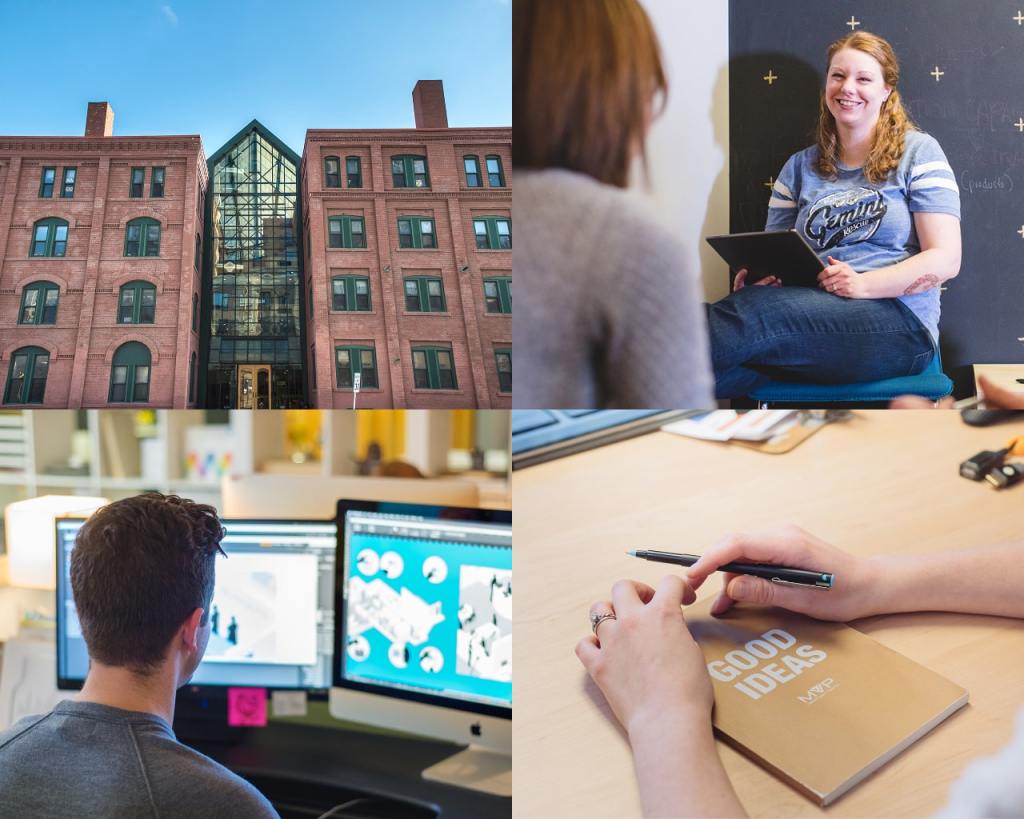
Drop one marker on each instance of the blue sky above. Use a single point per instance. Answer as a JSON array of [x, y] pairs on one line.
[[189, 66]]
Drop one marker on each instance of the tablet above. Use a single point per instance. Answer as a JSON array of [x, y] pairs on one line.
[[781, 253]]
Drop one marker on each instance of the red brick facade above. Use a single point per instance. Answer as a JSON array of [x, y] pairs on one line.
[[82, 342], [464, 326]]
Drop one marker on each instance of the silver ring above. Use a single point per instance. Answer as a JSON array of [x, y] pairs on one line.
[[597, 619]]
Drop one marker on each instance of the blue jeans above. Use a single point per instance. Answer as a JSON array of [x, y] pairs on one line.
[[802, 334]]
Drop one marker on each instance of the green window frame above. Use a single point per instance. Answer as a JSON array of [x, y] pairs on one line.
[[49, 238], [410, 171], [332, 172], [129, 374], [350, 294], [353, 171], [424, 294], [157, 178], [39, 303], [495, 172], [136, 183], [349, 360], [195, 312], [498, 294], [46, 181], [142, 237], [136, 303], [471, 166], [493, 232], [26, 376], [67, 185], [416, 232], [503, 362], [346, 232], [433, 368]]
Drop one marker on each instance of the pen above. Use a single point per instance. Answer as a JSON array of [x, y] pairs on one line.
[[776, 574]]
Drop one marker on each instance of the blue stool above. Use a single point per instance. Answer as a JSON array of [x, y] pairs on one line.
[[932, 383]]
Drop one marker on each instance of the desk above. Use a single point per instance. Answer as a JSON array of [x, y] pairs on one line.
[[1002, 375], [885, 481]]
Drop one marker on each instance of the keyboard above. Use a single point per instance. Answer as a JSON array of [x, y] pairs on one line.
[[542, 435]]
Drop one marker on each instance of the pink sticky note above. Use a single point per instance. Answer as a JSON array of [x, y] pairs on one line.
[[247, 706]]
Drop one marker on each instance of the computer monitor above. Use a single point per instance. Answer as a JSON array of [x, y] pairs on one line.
[[424, 637], [272, 614]]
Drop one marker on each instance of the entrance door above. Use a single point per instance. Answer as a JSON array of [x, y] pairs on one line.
[[254, 386]]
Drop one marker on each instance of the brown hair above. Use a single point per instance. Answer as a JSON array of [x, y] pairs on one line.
[[893, 119], [585, 77], [139, 568]]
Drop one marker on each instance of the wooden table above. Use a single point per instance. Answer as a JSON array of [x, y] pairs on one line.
[[1002, 375], [886, 481]]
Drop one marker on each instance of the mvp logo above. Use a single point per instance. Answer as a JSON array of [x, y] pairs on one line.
[[816, 692]]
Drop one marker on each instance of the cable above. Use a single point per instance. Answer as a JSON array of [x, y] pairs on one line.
[[346, 805]]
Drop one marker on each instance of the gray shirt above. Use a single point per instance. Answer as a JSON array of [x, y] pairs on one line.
[[84, 759], [607, 315]]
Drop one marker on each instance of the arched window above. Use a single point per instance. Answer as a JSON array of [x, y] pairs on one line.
[[332, 172], [142, 238], [39, 303], [354, 171], [26, 378], [495, 174], [129, 374], [472, 165], [192, 379], [137, 303], [195, 312], [49, 238]]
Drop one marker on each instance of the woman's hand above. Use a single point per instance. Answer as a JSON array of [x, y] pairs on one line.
[[842, 280], [855, 586], [741, 279], [645, 661]]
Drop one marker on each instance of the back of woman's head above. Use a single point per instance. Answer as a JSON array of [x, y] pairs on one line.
[[586, 75], [893, 119]]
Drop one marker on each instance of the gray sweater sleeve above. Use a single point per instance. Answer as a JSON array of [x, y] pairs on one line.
[[651, 316]]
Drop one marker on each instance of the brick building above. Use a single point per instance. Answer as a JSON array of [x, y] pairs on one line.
[[99, 267], [382, 255], [408, 260]]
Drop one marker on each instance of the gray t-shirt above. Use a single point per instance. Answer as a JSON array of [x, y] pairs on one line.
[[85, 759], [607, 315]]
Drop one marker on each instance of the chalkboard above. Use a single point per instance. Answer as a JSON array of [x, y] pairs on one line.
[[962, 80]]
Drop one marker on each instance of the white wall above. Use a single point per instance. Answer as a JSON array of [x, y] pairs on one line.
[[688, 147]]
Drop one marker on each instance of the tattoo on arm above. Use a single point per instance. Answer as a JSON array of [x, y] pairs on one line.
[[922, 284]]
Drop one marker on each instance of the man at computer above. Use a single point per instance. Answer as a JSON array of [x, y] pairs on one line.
[[142, 574]]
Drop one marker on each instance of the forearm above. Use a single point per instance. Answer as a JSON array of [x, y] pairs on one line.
[[678, 769], [919, 273], [986, 580]]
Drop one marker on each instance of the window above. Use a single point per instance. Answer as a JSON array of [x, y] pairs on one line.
[[49, 238], [142, 238], [424, 294], [498, 295], [472, 165], [26, 379], [351, 360], [129, 374], [350, 293], [137, 180], [67, 188], [199, 252], [409, 172], [332, 172], [495, 175], [137, 303], [346, 232], [503, 359], [46, 183], [493, 233], [156, 183], [195, 312], [354, 171], [416, 232], [39, 304], [433, 368], [192, 379]]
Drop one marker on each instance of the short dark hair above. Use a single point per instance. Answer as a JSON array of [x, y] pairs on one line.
[[139, 568]]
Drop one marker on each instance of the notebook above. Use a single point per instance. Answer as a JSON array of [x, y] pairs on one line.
[[818, 704]]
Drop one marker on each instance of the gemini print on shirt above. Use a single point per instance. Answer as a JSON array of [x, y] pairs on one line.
[[845, 217]]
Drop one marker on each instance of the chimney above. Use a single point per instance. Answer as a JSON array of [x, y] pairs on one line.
[[428, 104], [99, 122]]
